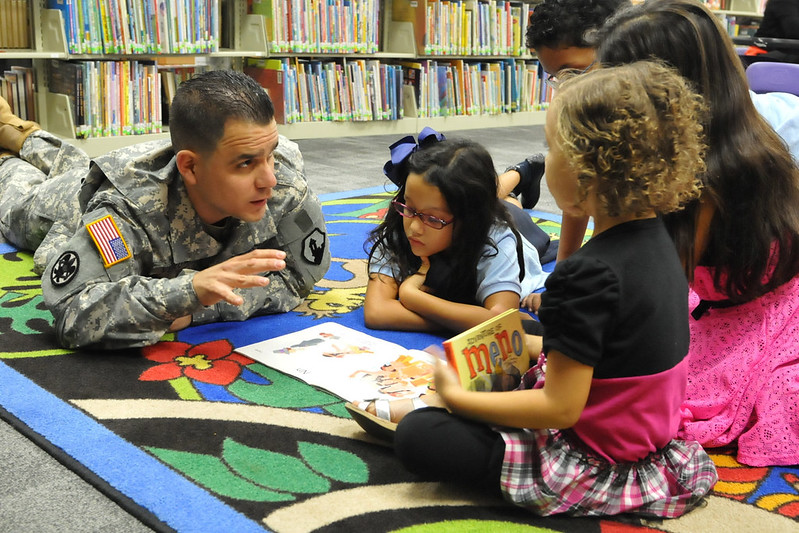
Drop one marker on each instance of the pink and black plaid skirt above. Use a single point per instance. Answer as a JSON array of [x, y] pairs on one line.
[[547, 473]]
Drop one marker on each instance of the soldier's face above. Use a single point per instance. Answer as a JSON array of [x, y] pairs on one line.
[[237, 179]]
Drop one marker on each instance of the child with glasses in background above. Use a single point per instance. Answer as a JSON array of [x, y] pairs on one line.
[[558, 33]]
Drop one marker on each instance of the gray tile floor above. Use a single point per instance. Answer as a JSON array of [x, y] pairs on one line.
[[39, 495], [347, 163]]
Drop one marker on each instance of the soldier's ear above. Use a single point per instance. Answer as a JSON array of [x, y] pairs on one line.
[[187, 161]]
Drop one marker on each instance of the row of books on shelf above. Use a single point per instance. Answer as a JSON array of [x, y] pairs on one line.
[[324, 26], [368, 89], [316, 91], [140, 26], [14, 24], [738, 26], [17, 88], [458, 87], [364, 90], [476, 28], [457, 27], [109, 98]]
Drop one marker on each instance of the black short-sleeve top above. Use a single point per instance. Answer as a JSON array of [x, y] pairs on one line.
[[620, 305]]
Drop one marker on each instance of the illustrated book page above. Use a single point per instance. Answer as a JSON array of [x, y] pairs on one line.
[[346, 362]]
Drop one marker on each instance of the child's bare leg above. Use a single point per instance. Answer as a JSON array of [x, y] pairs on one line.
[[506, 182]]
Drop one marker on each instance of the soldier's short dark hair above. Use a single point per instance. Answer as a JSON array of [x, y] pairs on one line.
[[566, 23], [203, 104]]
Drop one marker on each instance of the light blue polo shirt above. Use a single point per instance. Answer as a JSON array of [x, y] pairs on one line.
[[781, 110]]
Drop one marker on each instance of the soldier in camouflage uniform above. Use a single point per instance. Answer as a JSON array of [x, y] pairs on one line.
[[157, 236]]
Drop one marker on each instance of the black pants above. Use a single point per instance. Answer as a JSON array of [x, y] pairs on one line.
[[439, 446]]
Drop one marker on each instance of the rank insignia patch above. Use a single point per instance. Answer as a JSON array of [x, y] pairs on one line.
[[313, 247], [65, 269], [109, 241]]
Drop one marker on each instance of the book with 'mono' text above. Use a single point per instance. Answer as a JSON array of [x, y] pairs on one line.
[[491, 356]]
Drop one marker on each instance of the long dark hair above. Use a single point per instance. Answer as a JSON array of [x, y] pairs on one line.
[[464, 173], [751, 177]]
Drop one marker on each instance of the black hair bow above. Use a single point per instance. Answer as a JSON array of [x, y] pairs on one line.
[[396, 168]]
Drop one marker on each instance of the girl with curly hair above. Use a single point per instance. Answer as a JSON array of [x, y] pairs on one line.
[[598, 435]]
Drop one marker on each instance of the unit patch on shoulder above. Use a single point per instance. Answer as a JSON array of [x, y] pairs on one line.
[[106, 236], [65, 269], [313, 247]]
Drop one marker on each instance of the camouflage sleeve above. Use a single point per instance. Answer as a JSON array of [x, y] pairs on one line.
[[301, 233], [301, 230], [96, 291]]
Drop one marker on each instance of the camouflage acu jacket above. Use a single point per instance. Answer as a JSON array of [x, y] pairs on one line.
[[126, 273]]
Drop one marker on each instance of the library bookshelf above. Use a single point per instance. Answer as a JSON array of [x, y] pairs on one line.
[[245, 36], [740, 17]]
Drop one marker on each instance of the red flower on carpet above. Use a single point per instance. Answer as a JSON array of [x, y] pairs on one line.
[[210, 362]]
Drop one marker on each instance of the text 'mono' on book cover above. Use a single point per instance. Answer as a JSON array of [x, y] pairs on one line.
[[491, 356]]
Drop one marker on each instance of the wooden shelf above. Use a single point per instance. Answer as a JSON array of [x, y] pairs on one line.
[[26, 53], [741, 8], [97, 146], [409, 126]]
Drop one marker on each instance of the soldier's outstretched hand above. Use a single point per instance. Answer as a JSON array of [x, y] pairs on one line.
[[217, 282]]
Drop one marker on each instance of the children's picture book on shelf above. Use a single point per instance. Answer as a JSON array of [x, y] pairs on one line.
[[271, 74], [491, 356], [348, 363]]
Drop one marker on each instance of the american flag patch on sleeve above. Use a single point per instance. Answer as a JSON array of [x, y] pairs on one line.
[[109, 241]]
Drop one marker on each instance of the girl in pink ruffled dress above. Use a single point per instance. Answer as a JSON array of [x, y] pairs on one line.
[[739, 242], [744, 373]]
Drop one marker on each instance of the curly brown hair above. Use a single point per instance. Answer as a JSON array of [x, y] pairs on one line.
[[634, 133]]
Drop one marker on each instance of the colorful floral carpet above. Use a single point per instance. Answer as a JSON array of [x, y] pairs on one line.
[[188, 435]]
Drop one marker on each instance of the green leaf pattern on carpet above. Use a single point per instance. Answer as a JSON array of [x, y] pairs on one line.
[[22, 310], [274, 470], [213, 474], [254, 474], [282, 392], [333, 463]]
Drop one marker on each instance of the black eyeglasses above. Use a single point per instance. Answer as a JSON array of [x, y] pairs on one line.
[[427, 220], [553, 81]]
